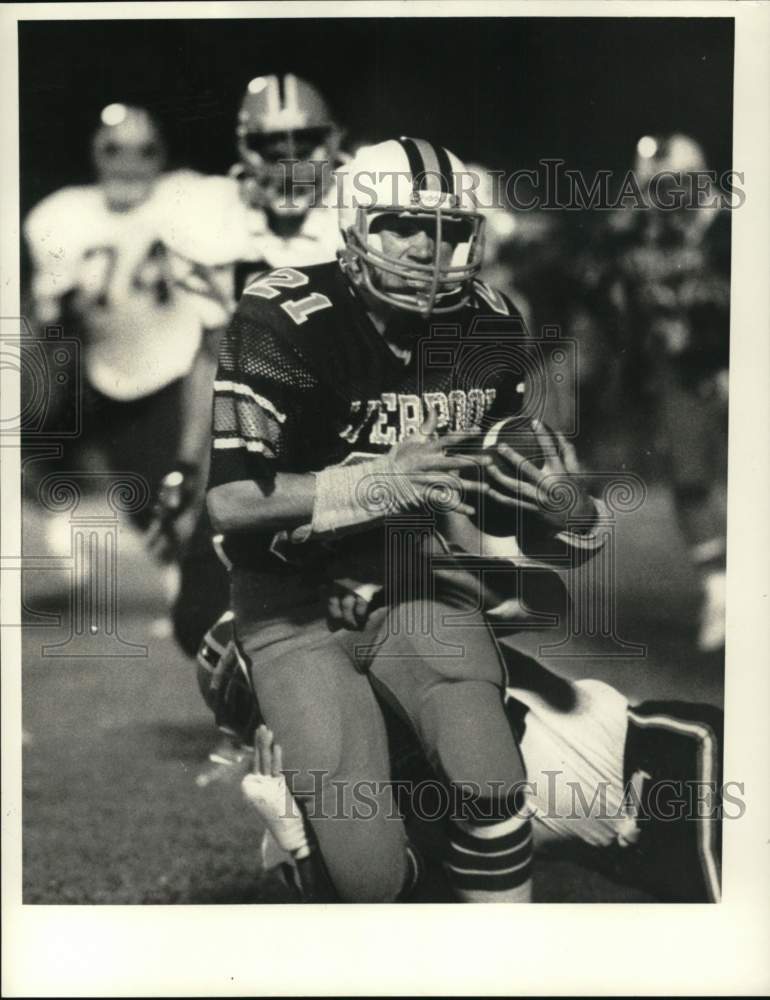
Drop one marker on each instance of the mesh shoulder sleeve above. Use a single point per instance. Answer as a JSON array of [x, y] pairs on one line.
[[262, 391]]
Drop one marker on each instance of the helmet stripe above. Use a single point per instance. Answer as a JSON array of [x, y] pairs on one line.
[[416, 164], [429, 165], [290, 99], [434, 179], [273, 95], [445, 168]]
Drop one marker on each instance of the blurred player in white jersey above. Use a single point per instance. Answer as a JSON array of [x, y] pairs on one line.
[[275, 208], [101, 270]]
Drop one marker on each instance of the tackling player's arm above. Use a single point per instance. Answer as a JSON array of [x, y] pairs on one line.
[[181, 492]]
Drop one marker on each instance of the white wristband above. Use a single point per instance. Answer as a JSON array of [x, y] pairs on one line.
[[354, 496]]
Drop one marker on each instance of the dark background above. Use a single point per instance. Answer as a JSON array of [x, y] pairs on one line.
[[502, 91]]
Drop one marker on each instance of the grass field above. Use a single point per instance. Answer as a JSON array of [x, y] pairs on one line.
[[111, 809]]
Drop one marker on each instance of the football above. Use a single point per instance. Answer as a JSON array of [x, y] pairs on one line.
[[492, 517]]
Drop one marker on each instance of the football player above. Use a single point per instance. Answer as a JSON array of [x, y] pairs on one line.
[[101, 268], [272, 210], [652, 314], [678, 278], [337, 443]]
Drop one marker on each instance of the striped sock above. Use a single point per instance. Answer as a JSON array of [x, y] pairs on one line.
[[491, 862]]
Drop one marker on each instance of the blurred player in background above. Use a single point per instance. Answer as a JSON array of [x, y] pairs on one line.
[[273, 209], [101, 270], [678, 278], [651, 309]]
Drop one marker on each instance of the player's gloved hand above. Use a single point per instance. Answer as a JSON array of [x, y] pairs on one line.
[[351, 602], [175, 513], [266, 791], [552, 494], [424, 463], [420, 471]]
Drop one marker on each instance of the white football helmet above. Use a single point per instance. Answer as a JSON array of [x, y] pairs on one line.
[[288, 144], [675, 153], [128, 154], [666, 167], [411, 179]]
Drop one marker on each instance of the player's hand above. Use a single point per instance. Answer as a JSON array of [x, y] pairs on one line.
[[266, 791], [175, 514], [428, 465], [553, 494], [350, 604], [166, 539], [268, 755]]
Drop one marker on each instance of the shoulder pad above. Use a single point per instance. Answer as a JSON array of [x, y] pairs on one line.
[[322, 223], [198, 213], [63, 208]]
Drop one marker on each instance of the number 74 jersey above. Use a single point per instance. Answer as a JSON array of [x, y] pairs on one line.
[[139, 331]]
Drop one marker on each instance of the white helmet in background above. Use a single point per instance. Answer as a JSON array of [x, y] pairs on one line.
[[674, 154], [128, 153], [667, 169], [288, 144], [413, 179]]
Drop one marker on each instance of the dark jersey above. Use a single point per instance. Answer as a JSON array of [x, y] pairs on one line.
[[305, 379], [661, 281]]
